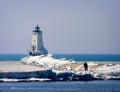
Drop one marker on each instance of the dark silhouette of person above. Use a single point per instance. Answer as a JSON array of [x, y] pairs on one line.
[[86, 66]]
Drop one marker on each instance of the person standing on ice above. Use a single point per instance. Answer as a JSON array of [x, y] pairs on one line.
[[86, 66]]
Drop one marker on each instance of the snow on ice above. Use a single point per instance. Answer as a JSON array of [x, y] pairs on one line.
[[71, 70]]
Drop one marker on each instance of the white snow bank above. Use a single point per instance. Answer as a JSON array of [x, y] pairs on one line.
[[25, 80], [45, 61], [109, 68], [67, 68]]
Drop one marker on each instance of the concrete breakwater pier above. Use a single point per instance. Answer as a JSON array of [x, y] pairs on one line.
[[17, 71]]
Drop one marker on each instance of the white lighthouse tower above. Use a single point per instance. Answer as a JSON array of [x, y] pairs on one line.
[[37, 47]]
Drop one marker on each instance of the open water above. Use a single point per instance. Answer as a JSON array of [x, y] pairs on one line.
[[76, 57], [79, 86]]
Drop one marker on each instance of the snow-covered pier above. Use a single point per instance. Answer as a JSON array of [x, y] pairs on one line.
[[17, 71], [46, 68]]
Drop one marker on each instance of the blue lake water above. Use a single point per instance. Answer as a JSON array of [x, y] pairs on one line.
[[79, 86], [76, 57]]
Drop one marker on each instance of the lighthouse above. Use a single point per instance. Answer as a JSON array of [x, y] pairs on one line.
[[37, 47]]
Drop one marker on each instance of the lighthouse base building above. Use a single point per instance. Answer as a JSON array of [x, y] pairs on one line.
[[37, 47]]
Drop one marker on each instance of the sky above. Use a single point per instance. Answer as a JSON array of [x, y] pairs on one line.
[[68, 26]]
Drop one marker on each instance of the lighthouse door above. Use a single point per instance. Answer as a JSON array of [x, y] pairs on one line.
[[33, 48]]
